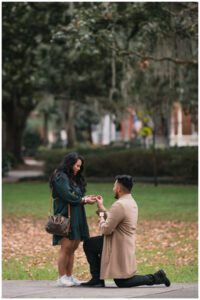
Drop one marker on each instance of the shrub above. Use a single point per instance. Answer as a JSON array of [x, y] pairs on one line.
[[30, 142], [8, 162], [178, 163]]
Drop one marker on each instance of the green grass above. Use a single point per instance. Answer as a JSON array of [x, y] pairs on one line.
[[18, 270], [14, 270], [165, 202]]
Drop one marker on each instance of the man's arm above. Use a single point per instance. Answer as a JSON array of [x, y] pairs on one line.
[[101, 208], [114, 218]]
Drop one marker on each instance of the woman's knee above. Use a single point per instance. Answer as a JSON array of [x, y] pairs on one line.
[[67, 246]]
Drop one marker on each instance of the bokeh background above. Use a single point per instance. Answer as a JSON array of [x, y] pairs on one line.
[[117, 82]]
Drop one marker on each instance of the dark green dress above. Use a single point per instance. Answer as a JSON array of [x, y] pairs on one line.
[[65, 193]]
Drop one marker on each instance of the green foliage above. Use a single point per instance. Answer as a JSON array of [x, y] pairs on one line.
[[24, 32], [96, 51], [86, 117], [94, 27], [8, 162], [31, 141], [188, 89], [178, 163]]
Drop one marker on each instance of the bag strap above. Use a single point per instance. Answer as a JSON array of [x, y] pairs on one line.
[[50, 207]]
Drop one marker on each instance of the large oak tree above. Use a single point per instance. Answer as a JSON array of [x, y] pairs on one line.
[[84, 52]]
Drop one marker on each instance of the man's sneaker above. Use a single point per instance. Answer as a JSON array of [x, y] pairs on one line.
[[64, 281], [94, 283], [75, 280]]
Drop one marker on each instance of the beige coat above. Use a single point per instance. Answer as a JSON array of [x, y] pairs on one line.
[[118, 255]]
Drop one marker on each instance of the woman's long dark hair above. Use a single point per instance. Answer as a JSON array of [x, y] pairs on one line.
[[66, 167]]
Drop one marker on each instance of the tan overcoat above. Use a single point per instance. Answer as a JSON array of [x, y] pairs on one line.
[[118, 255]]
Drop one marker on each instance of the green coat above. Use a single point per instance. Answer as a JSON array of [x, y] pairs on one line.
[[65, 193]]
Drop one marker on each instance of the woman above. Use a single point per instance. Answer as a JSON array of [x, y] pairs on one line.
[[68, 187]]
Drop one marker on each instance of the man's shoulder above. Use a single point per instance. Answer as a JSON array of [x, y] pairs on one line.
[[127, 200]]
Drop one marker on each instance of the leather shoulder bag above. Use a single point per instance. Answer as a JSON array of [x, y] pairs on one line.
[[58, 224]]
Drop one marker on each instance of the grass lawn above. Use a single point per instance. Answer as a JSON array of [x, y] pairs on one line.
[[165, 202], [167, 230]]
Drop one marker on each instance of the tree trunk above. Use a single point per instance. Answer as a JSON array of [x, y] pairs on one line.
[[155, 168], [168, 129], [3, 135], [45, 128], [15, 121], [70, 126], [90, 133]]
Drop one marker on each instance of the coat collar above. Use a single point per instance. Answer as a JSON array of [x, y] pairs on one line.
[[126, 196]]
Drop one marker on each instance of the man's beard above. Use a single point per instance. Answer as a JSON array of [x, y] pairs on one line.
[[116, 195]]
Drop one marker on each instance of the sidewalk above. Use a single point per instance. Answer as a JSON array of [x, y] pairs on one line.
[[47, 289], [30, 173]]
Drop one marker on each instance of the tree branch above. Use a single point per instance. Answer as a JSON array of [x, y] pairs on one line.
[[161, 59]]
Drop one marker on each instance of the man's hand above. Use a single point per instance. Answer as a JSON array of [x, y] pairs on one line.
[[99, 201], [90, 199], [101, 219]]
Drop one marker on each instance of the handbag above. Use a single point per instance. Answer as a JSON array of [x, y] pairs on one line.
[[58, 224]]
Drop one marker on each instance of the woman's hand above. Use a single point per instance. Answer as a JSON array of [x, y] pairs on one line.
[[90, 199]]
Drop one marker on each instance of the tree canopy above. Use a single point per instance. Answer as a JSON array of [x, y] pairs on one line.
[[113, 54]]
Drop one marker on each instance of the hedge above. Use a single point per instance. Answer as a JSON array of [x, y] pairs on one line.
[[178, 163]]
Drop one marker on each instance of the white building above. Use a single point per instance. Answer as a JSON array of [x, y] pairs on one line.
[[183, 132]]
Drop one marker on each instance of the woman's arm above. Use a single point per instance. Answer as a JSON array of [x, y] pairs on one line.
[[64, 191]]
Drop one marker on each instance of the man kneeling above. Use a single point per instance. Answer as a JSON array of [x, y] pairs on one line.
[[112, 255]]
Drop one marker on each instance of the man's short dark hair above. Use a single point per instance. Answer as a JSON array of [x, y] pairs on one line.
[[126, 181]]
